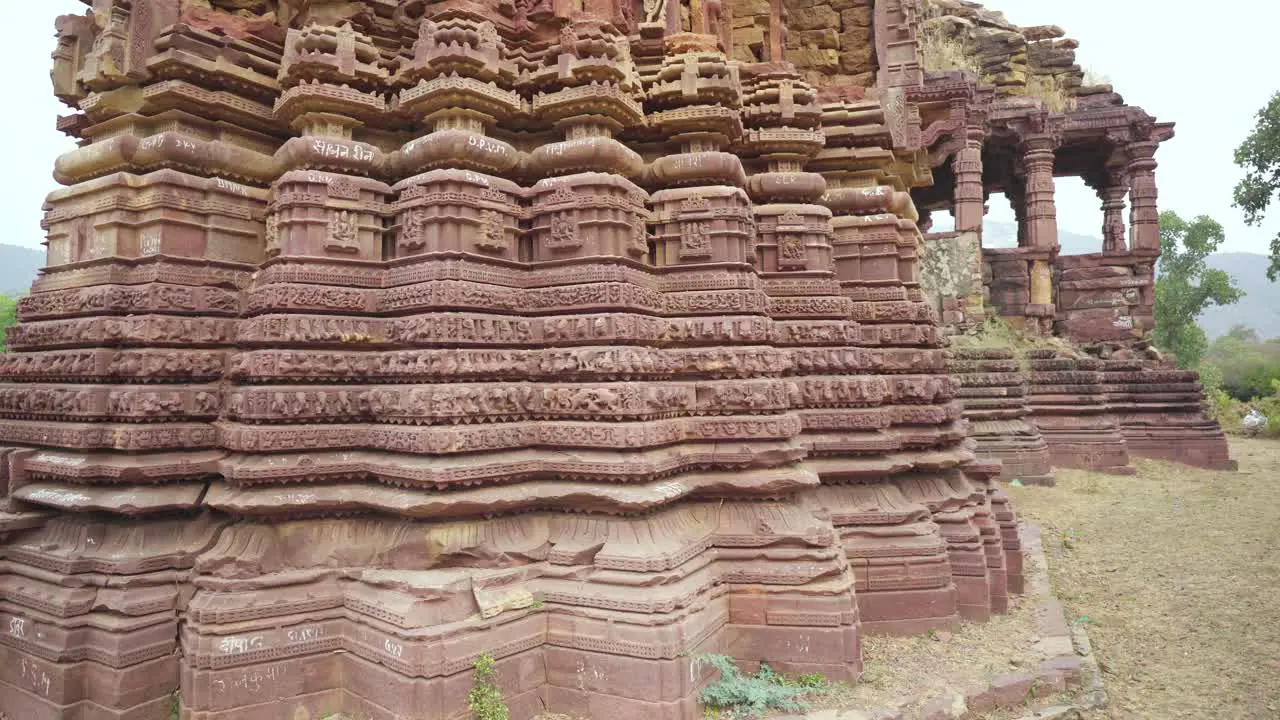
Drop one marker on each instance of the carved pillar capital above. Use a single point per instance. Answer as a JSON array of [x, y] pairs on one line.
[[1141, 153], [975, 136], [1036, 145]]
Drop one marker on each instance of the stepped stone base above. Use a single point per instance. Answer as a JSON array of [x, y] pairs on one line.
[[1069, 407], [993, 390], [1162, 414]]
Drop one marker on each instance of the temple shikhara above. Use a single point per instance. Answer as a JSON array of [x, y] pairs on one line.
[[591, 335]]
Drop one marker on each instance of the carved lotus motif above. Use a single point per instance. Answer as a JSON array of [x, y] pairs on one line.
[[343, 188]]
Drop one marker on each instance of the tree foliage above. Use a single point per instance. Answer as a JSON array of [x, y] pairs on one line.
[[1246, 366], [8, 316], [1186, 285], [1259, 155]]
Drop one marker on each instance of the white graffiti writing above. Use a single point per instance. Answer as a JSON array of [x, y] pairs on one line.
[[238, 645]]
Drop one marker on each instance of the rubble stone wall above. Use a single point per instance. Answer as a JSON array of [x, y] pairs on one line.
[[831, 42], [1014, 59], [951, 277]]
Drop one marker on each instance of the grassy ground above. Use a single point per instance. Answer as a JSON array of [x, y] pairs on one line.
[[1177, 574]]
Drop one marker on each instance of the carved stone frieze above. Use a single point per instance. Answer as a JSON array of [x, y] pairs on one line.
[[374, 333]]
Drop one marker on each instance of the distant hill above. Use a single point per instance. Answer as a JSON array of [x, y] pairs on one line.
[[997, 234], [18, 267], [1259, 308]]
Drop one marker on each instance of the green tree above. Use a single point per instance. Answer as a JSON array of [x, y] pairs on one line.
[[1246, 365], [8, 316], [1259, 155], [1186, 285], [1243, 333]]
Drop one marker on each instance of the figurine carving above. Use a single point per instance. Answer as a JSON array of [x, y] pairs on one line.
[[343, 232]]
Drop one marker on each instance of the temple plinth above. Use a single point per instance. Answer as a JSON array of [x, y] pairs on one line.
[[378, 336]]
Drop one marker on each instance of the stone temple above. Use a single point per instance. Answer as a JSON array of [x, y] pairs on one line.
[[592, 335]]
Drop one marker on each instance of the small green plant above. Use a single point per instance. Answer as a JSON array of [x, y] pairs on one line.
[[485, 699], [747, 696], [175, 705], [536, 604], [812, 681]]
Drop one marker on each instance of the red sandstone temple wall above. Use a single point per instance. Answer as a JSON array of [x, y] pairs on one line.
[[376, 336]]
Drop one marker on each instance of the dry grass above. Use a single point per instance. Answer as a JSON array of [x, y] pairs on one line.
[[908, 671], [1094, 77], [1177, 573], [940, 52], [943, 48], [1050, 90]]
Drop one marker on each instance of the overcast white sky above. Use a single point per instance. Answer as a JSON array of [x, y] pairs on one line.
[[1157, 55]]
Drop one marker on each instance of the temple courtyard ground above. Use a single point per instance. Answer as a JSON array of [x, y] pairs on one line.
[[1176, 573]]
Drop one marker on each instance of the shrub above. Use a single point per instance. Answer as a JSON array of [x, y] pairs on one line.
[[1270, 406], [942, 48], [8, 316], [940, 52], [485, 699], [1050, 90], [748, 696], [1226, 410]]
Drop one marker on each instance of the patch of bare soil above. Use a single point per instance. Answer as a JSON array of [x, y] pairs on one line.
[[908, 671], [1177, 574]]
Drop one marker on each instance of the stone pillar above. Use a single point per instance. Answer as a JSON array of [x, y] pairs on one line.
[[1041, 213], [777, 32], [1017, 202], [966, 306], [968, 194], [1041, 216], [1144, 217], [1112, 195]]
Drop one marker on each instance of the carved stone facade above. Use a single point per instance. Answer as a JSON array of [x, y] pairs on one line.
[[379, 335], [1028, 119]]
